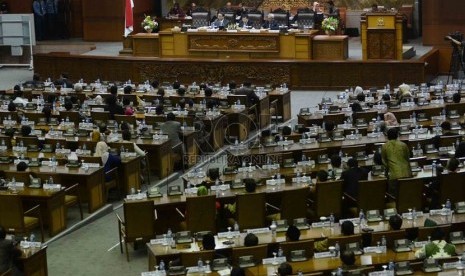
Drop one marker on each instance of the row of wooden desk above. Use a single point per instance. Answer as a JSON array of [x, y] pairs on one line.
[[158, 252]]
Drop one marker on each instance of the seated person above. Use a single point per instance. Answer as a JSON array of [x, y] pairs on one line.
[[336, 166], [270, 23], [319, 16], [11, 106], [352, 176], [456, 97], [126, 135], [109, 160], [68, 105], [438, 248], [348, 260], [245, 23], [237, 271], [176, 11], [460, 150], [208, 242], [247, 90], [21, 166], [284, 269], [322, 176], [220, 21], [453, 165], [64, 81], [250, 240], [292, 233], [18, 96], [9, 254], [347, 228], [446, 131], [35, 82], [395, 222], [26, 130], [173, 128]]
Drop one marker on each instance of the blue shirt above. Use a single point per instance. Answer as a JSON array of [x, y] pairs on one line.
[[51, 6], [38, 7]]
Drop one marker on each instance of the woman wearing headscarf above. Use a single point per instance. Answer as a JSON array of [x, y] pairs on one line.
[[109, 160]]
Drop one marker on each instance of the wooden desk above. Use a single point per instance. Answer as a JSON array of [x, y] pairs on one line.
[[145, 45], [33, 262], [284, 103], [160, 152], [239, 44], [52, 206], [330, 47], [168, 23]]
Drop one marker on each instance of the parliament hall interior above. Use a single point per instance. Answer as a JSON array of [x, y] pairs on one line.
[[216, 137]]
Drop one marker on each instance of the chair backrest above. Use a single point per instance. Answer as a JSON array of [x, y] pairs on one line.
[[188, 120], [73, 116], [314, 153], [282, 19], [307, 245], [45, 177], [337, 118], [328, 196], [100, 115], [33, 140], [371, 194], [200, 19], [232, 99], [305, 20], [351, 151], [139, 220], [425, 232], [131, 97], [250, 210], [11, 213], [409, 194], [90, 145], [191, 258], [447, 141], [256, 19], [130, 119], [129, 146], [19, 176], [452, 186], [230, 16], [294, 204], [91, 159], [153, 119], [201, 213], [344, 240], [390, 236], [367, 115], [259, 252]]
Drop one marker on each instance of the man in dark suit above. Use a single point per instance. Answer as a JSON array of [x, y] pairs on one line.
[[245, 23], [8, 253], [270, 23], [352, 176], [247, 90], [220, 22], [63, 81]]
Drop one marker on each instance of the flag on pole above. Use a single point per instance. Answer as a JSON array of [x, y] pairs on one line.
[[128, 18]]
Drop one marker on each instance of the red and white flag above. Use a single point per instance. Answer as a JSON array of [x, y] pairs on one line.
[[128, 18]]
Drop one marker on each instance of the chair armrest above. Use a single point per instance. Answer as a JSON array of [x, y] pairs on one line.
[[113, 172], [349, 197], [33, 209], [72, 188], [180, 213], [120, 221], [177, 145], [390, 196], [272, 206]]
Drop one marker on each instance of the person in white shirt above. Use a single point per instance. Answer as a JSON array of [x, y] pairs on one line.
[[18, 96]]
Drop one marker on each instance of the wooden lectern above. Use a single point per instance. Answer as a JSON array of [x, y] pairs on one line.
[[381, 36]]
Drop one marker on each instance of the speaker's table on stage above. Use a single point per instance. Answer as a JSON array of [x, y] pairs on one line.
[[225, 44], [330, 47]]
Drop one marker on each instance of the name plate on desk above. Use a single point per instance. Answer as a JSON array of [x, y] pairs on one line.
[[9, 122], [307, 141], [98, 109], [20, 149], [16, 161], [453, 265], [306, 180], [86, 125], [382, 273], [222, 187], [420, 244], [353, 220], [83, 152], [63, 151], [157, 241], [439, 212], [28, 244], [238, 106], [92, 165], [271, 167], [322, 255], [136, 196], [16, 185], [258, 230], [3, 148], [191, 190], [321, 224], [212, 30], [28, 123], [275, 181], [246, 169], [51, 186], [274, 261], [374, 249], [153, 273], [192, 30], [225, 235], [159, 137], [285, 143], [409, 215], [128, 154], [231, 31], [306, 163]]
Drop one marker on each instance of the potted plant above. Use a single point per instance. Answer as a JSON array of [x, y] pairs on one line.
[[150, 24], [330, 25]]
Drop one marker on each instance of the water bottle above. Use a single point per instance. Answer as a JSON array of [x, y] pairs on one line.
[[391, 266], [433, 168], [162, 265], [339, 271], [50, 180], [169, 235], [280, 252], [13, 181], [200, 264], [236, 227], [383, 241], [361, 216], [304, 158], [273, 228], [337, 249], [331, 220], [32, 237], [448, 205]]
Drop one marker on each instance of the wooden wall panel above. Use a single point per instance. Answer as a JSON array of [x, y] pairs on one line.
[[441, 18], [19, 6], [299, 74], [76, 24]]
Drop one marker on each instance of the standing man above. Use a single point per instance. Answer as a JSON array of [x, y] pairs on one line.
[[51, 18], [395, 155], [38, 6]]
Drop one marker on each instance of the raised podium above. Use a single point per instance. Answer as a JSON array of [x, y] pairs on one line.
[[381, 36]]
